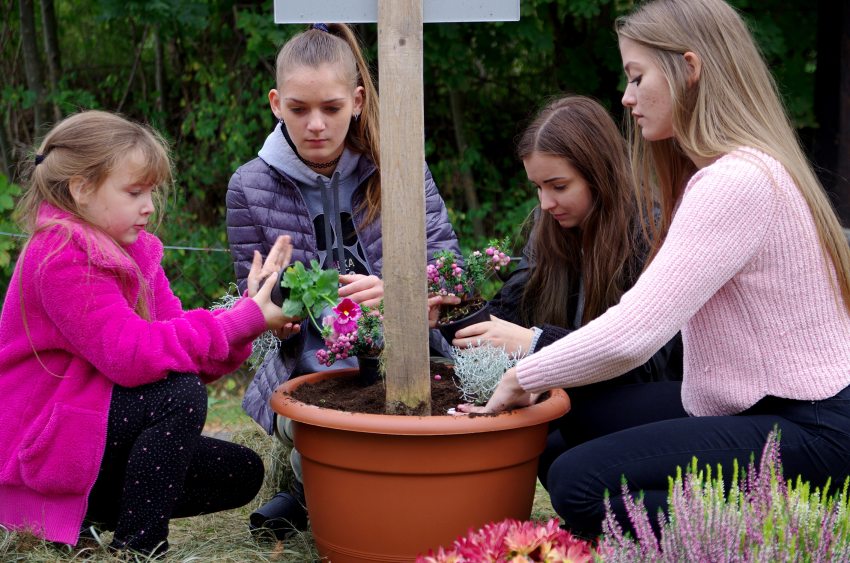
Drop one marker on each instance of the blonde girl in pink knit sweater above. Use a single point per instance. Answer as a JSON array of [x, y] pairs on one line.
[[101, 370], [749, 262]]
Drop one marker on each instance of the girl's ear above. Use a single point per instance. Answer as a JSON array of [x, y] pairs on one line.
[[274, 102], [359, 100], [78, 187], [694, 67]]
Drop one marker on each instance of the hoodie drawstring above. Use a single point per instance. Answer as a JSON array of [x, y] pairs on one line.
[[330, 207]]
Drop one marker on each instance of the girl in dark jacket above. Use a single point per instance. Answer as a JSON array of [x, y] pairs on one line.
[[584, 251], [317, 179]]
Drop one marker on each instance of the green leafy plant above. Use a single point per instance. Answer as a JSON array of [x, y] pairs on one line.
[[310, 290]]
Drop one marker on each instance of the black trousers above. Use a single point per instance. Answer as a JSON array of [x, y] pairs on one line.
[[157, 466], [815, 444]]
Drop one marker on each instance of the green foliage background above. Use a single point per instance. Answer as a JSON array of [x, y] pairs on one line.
[[483, 82]]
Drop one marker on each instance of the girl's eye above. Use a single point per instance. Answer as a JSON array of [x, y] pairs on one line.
[[559, 188], [635, 80], [296, 111], [332, 109]]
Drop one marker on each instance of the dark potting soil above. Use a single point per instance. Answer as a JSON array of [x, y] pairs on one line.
[[450, 313], [346, 394]]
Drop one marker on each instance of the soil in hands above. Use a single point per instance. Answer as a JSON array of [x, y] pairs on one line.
[[346, 394], [451, 313]]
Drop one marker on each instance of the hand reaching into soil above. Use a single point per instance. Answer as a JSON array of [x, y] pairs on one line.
[[508, 395]]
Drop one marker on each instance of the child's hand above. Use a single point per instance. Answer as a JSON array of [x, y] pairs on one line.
[[264, 275], [277, 260], [273, 314], [363, 290]]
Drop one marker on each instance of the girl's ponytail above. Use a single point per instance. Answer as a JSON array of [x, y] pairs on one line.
[[364, 135]]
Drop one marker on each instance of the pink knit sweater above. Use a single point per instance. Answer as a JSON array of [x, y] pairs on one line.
[[74, 307], [742, 274]]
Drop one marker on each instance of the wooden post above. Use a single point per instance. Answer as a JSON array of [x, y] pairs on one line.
[[402, 138], [402, 126]]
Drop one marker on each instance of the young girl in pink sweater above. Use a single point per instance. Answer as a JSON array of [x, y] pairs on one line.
[[749, 262], [101, 371]]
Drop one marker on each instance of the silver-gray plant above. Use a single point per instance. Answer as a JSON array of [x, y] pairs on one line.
[[266, 343], [478, 370]]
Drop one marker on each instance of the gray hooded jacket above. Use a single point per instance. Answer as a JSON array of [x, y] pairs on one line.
[[264, 201]]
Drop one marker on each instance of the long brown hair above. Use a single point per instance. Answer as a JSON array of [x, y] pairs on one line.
[[601, 249], [734, 103], [89, 146], [340, 47]]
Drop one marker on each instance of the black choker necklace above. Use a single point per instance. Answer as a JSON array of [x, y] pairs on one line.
[[320, 165]]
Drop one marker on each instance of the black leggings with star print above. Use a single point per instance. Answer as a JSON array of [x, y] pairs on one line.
[[157, 466]]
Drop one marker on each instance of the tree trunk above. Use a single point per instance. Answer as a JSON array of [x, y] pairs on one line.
[[133, 69], [159, 73], [51, 47], [6, 151], [32, 62], [466, 180]]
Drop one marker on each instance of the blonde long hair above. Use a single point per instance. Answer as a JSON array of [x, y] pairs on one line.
[[90, 145], [602, 249], [734, 103], [339, 46]]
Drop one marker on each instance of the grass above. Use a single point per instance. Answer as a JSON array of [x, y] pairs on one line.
[[222, 536]]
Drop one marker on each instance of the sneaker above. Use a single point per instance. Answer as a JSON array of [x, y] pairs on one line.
[[283, 515]]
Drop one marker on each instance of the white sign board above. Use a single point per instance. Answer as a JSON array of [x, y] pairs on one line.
[[365, 11]]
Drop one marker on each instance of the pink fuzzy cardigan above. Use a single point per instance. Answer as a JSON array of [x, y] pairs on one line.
[[742, 274], [68, 333]]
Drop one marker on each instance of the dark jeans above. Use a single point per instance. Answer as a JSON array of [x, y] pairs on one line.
[[815, 444], [157, 466], [607, 407]]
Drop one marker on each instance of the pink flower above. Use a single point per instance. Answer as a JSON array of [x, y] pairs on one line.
[[514, 541], [347, 313], [330, 335]]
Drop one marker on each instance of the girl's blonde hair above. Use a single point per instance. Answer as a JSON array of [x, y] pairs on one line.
[[89, 146], [734, 103], [601, 251], [339, 47]]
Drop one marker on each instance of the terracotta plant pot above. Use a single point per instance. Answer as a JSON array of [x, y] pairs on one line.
[[448, 330], [387, 487]]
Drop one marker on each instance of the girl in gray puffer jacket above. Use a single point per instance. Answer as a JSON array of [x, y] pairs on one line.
[[317, 179]]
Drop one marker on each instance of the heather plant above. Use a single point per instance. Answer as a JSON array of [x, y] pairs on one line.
[[478, 370], [448, 276], [515, 542], [761, 518]]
